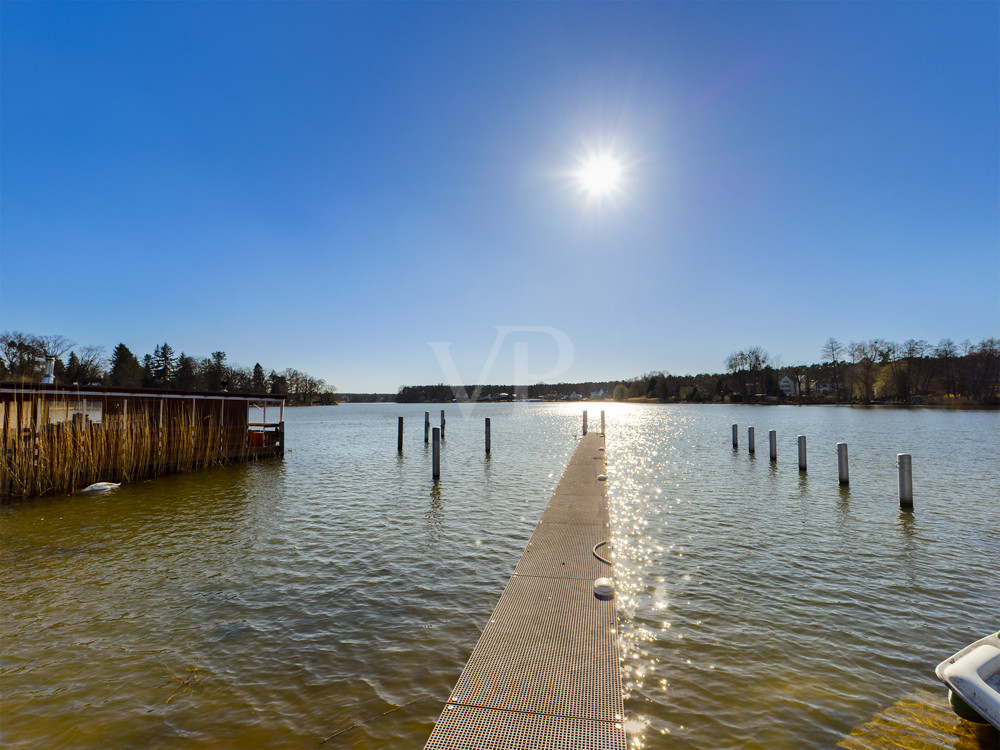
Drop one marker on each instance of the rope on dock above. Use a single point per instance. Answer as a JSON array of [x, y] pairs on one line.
[[607, 562]]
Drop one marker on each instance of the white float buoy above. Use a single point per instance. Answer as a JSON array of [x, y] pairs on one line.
[[604, 587]]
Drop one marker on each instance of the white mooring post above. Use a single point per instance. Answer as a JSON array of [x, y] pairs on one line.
[[751, 447], [442, 424], [399, 436], [772, 441], [802, 452], [842, 473], [487, 434], [904, 465], [584, 421], [736, 435], [427, 426], [602, 421], [436, 453]]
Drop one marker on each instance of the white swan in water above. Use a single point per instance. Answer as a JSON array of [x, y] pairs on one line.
[[101, 487]]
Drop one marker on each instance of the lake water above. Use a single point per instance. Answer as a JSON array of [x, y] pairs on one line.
[[336, 594]]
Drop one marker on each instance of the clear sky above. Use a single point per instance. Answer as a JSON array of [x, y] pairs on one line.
[[336, 186]]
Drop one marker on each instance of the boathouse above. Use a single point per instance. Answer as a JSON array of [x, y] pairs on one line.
[[58, 439]]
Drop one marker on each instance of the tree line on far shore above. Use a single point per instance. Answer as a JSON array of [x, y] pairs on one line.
[[860, 372], [873, 370], [876, 370], [23, 355]]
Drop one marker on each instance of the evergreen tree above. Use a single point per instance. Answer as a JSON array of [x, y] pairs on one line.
[[59, 371], [186, 376], [258, 384], [73, 368], [125, 368], [148, 380], [164, 365], [215, 371]]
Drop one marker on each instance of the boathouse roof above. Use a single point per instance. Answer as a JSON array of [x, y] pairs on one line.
[[118, 391]]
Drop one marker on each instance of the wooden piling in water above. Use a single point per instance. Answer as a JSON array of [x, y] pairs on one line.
[[487, 434], [802, 452], [751, 446], [427, 426], [736, 435], [842, 471], [904, 467], [584, 421], [442, 424], [436, 453], [772, 440], [399, 435]]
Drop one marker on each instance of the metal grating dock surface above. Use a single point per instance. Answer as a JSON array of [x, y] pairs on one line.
[[470, 728], [563, 550], [545, 672]]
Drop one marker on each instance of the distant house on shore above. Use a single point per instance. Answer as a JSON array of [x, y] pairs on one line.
[[597, 395], [826, 387], [791, 385]]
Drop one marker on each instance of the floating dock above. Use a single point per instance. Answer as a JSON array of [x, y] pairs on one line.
[[545, 673]]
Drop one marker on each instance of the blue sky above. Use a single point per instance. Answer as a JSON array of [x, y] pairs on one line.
[[336, 186]]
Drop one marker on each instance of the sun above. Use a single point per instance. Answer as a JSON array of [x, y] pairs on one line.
[[600, 175]]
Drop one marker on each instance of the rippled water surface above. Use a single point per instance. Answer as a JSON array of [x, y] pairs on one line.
[[336, 594], [765, 608]]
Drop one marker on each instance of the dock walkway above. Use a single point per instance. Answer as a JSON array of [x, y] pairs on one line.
[[545, 672]]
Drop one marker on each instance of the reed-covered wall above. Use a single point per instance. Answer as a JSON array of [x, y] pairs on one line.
[[61, 442]]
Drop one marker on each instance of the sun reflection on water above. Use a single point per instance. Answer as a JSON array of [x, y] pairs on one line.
[[750, 596]]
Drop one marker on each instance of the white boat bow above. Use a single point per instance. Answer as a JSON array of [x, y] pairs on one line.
[[973, 674]]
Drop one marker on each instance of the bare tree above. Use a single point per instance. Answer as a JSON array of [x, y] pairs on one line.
[[865, 355], [737, 365], [757, 360], [917, 371], [945, 351], [93, 362], [240, 379], [748, 368], [833, 351], [54, 346], [985, 369]]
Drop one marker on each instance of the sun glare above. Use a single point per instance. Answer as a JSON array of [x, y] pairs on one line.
[[600, 175]]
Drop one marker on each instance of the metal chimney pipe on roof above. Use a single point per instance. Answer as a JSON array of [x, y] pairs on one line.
[[50, 366]]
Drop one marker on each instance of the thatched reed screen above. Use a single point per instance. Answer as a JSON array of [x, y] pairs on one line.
[[61, 441]]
